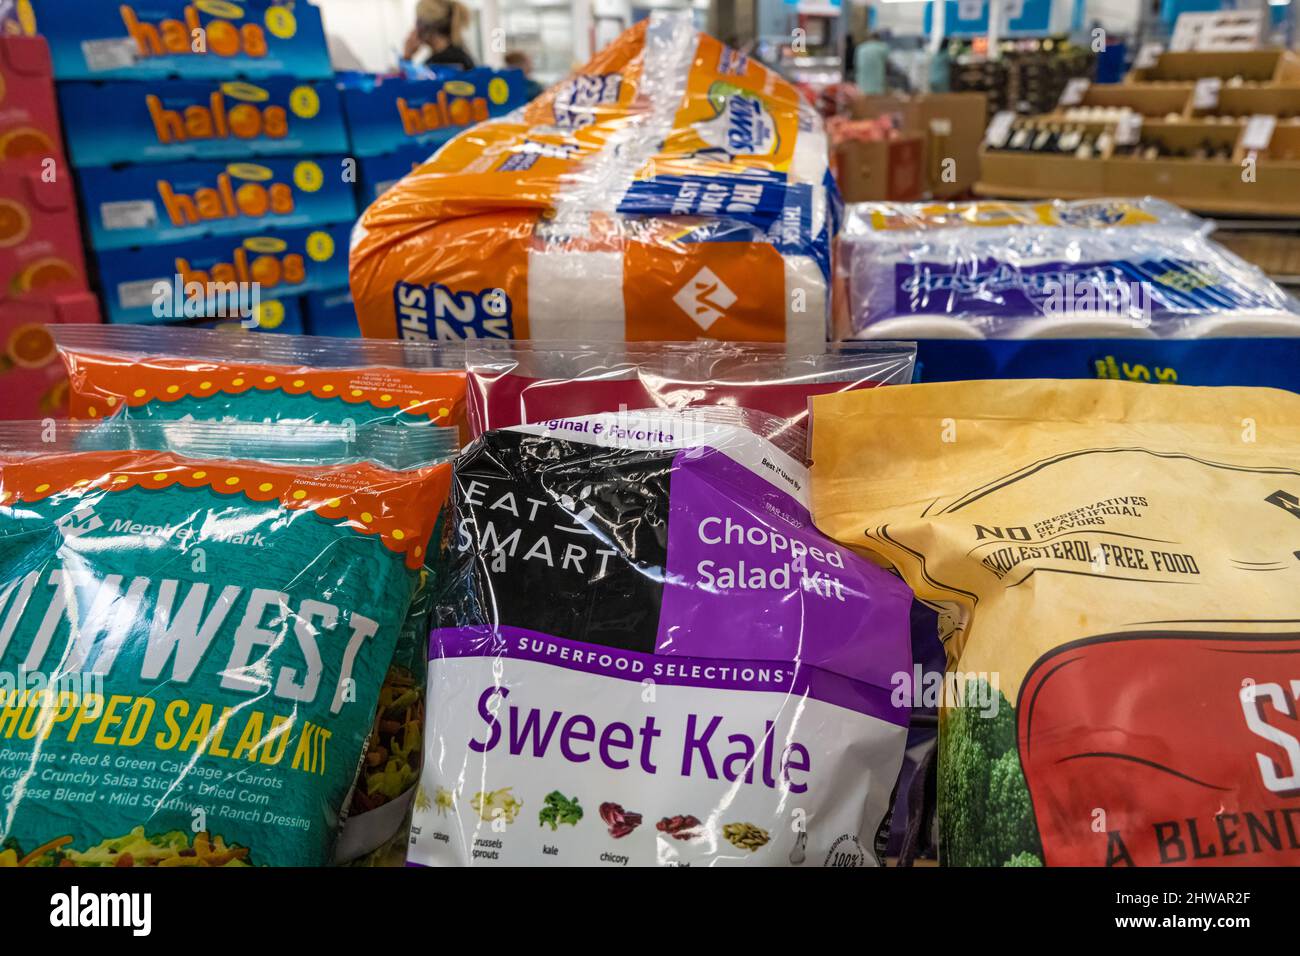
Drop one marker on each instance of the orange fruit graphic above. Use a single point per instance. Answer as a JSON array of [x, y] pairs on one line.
[[31, 346], [15, 223], [44, 273], [25, 142], [252, 200], [223, 39]]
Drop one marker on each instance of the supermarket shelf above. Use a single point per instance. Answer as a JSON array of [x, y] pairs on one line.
[[1200, 204]]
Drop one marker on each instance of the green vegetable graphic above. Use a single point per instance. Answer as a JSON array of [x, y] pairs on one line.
[[557, 809], [985, 816]]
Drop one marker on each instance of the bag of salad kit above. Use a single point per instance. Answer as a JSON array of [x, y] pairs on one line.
[[645, 654], [194, 643], [1118, 572], [362, 390]]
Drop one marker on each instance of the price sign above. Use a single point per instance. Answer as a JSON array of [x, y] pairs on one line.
[[1206, 94], [1074, 91], [1129, 129], [1259, 132], [1148, 55]]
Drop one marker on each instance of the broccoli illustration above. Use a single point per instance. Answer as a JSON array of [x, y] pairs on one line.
[[985, 816]]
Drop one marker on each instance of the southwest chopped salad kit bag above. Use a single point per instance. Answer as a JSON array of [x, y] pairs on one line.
[[201, 638], [1117, 568], [645, 654], [366, 400], [672, 188]]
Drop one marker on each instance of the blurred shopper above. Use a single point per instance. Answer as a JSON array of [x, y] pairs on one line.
[[870, 64], [440, 26], [519, 60]]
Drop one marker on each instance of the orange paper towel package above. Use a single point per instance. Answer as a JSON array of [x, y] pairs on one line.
[[673, 188]]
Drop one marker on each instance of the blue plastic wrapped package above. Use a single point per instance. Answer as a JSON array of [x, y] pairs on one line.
[[1108, 268]]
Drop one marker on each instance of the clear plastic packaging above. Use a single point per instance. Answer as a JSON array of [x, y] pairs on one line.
[[671, 188], [645, 654], [514, 383], [200, 635], [137, 372], [1088, 269]]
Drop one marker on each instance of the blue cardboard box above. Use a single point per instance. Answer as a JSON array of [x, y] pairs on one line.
[[274, 315], [331, 313], [377, 174], [170, 120], [152, 39], [271, 315], [285, 262], [398, 113], [149, 205]]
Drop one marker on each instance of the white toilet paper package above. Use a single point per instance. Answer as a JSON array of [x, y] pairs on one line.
[[671, 188], [646, 655], [1086, 269], [515, 383]]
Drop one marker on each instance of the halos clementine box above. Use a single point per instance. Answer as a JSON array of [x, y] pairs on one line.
[[167, 120], [147, 205], [40, 242], [151, 39], [399, 113], [283, 262], [29, 118]]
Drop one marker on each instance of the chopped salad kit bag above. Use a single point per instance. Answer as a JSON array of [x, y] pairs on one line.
[[1118, 571], [199, 639], [363, 400], [515, 383], [645, 654], [671, 188]]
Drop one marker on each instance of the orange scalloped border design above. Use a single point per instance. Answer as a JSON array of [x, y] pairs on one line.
[[103, 384], [399, 507]]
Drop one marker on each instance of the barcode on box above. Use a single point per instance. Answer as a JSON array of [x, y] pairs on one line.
[[131, 214], [140, 293], [117, 53]]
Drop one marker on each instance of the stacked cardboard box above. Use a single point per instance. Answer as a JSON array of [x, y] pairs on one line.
[[42, 270], [210, 149], [950, 127], [395, 124]]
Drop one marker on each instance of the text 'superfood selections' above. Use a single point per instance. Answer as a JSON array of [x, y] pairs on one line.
[[166, 374], [520, 383], [1087, 269], [1119, 567], [672, 188], [639, 614], [199, 640]]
